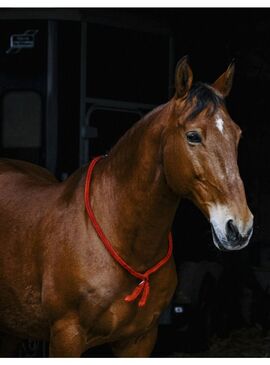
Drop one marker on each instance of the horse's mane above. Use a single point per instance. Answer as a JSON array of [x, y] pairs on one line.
[[203, 96], [138, 128]]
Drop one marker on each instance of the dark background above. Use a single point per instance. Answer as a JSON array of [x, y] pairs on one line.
[[56, 95]]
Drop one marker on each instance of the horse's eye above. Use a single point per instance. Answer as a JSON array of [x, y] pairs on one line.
[[193, 137]]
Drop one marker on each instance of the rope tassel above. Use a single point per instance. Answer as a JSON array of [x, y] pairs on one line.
[[145, 294], [142, 288]]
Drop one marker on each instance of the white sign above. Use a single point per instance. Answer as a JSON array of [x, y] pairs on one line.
[[22, 41]]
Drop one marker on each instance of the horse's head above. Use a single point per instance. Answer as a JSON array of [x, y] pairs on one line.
[[200, 156]]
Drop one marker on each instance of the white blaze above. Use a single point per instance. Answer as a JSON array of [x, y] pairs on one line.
[[219, 124], [219, 215]]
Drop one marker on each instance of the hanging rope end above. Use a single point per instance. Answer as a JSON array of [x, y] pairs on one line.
[[141, 303], [128, 298], [143, 288], [136, 292]]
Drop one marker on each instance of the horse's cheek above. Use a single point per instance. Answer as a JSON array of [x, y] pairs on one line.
[[178, 172]]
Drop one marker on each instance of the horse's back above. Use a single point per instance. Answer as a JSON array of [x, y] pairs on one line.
[[36, 173], [27, 192]]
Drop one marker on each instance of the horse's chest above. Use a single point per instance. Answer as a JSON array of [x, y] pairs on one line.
[[121, 319]]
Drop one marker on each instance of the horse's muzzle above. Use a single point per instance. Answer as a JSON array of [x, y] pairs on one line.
[[231, 239]]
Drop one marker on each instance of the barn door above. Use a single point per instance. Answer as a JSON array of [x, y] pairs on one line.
[[23, 47], [125, 72]]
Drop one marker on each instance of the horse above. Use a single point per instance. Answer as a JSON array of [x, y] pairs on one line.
[[88, 260]]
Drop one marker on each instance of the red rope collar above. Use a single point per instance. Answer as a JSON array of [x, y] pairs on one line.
[[143, 287]]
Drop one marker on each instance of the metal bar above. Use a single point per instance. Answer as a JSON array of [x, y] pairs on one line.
[[119, 104], [94, 16], [52, 96], [130, 22], [83, 91], [95, 107], [88, 132]]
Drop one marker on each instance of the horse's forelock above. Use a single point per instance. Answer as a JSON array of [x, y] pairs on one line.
[[201, 96]]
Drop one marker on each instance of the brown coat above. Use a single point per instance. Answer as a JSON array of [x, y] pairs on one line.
[[57, 280]]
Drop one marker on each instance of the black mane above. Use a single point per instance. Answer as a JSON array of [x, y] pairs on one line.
[[202, 96]]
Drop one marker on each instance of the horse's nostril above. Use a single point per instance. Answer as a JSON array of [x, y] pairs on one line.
[[232, 231], [249, 232]]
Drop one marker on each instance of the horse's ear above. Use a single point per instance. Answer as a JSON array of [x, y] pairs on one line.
[[183, 78], [224, 83]]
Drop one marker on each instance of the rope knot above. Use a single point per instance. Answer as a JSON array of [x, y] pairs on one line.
[[143, 289]]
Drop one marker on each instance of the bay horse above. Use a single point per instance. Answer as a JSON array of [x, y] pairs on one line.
[[76, 256]]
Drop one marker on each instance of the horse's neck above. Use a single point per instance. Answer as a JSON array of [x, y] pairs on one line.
[[131, 198]]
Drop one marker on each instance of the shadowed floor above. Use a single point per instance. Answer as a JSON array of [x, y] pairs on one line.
[[245, 342]]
